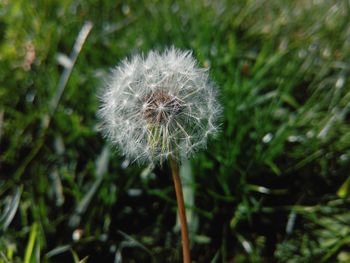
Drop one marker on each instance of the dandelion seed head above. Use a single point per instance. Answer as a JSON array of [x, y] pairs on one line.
[[158, 106]]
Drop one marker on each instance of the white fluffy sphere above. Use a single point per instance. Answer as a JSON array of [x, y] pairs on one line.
[[158, 106]]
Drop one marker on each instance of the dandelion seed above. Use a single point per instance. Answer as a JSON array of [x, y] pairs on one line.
[[159, 106]]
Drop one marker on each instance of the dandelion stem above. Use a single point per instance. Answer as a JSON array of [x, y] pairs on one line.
[[182, 212]]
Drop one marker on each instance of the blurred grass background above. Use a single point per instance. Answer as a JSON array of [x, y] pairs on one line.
[[273, 187]]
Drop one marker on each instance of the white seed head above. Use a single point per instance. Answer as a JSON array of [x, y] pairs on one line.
[[158, 106]]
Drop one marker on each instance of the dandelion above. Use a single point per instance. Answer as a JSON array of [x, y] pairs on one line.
[[160, 107]]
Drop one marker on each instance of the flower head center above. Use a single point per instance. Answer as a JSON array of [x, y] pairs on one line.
[[159, 107]]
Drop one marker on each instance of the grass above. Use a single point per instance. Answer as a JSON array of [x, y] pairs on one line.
[[273, 187]]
